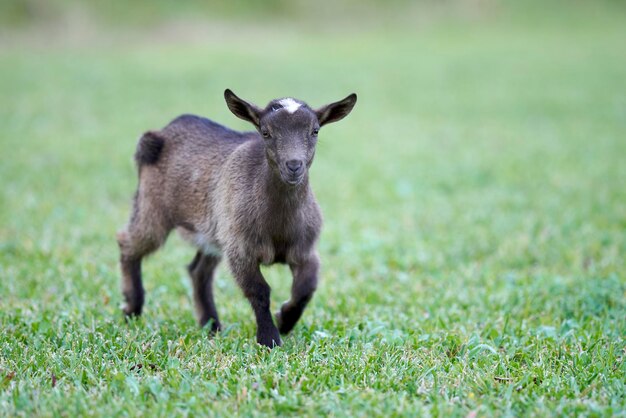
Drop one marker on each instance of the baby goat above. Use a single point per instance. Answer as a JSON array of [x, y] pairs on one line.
[[245, 196]]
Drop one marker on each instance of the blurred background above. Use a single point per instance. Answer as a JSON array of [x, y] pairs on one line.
[[489, 134], [475, 197]]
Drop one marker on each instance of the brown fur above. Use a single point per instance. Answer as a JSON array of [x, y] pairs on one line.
[[243, 196]]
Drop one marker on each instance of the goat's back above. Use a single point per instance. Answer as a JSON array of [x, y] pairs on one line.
[[180, 165]]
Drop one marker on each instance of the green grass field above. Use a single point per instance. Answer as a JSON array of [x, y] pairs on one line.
[[475, 221]]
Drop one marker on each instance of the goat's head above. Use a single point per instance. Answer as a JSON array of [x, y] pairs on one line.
[[289, 129]]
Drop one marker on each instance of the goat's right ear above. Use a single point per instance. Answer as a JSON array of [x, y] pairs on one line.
[[242, 109]]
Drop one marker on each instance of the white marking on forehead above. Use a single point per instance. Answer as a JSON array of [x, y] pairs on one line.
[[289, 104]]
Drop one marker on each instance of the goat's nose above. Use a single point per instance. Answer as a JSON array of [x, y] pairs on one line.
[[294, 165]]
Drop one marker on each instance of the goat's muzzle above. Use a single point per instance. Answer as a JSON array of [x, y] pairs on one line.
[[294, 172]]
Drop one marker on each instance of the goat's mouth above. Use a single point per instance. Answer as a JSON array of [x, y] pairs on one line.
[[292, 180]]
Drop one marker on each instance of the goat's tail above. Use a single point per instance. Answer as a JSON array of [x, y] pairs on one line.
[[149, 148]]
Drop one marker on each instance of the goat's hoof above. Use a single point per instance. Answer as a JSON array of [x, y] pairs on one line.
[[280, 323], [130, 311], [213, 326], [284, 327], [269, 340]]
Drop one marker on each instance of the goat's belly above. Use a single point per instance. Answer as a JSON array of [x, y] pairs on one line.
[[200, 241], [274, 252]]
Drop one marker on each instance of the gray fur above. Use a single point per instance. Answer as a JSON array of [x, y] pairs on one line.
[[242, 196]]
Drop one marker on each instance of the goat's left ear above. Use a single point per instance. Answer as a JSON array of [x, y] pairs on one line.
[[242, 109], [335, 111]]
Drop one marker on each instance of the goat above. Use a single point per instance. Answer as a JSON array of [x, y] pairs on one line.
[[244, 196]]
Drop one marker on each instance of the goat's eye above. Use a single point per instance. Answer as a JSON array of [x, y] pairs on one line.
[[316, 131], [265, 133]]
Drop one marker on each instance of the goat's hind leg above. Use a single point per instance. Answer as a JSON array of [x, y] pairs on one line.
[[137, 240], [305, 277], [130, 265], [202, 270]]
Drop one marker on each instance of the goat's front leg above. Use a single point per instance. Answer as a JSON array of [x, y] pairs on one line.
[[305, 276], [257, 291]]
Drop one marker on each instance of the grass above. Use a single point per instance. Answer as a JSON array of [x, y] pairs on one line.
[[473, 251]]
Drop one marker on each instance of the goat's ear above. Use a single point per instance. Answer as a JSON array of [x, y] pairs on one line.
[[336, 111], [242, 109]]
